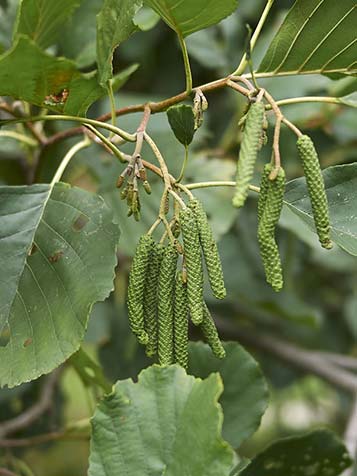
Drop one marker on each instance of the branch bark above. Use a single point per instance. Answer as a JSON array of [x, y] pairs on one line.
[[33, 413], [307, 361]]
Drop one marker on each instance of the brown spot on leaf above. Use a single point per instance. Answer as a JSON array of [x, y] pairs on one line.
[[27, 342], [80, 222], [5, 335], [55, 257]]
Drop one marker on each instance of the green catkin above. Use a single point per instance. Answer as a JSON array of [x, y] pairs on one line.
[[193, 261], [181, 323], [264, 183], [210, 334], [210, 250], [248, 152], [150, 298], [166, 286], [270, 210], [137, 278], [316, 188]]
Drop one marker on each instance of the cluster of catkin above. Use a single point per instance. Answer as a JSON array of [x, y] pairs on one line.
[[162, 295], [272, 190]]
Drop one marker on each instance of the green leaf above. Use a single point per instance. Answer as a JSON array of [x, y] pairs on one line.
[[167, 423], [114, 25], [78, 38], [187, 16], [317, 36], [182, 121], [318, 453], [42, 20], [341, 185], [245, 396], [58, 257], [29, 74]]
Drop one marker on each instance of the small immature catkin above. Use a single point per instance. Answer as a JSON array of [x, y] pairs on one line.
[[193, 262], [248, 152], [210, 250], [316, 188], [136, 287], [150, 298], [181, 323], [166, 286], [269, 217], [210, 333]]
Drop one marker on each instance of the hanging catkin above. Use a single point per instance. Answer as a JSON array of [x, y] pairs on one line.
[[137, 278], [210, 250], [210, 333], [166, 287], [270, 209], [150, 298], [248, 152], [181, 322], [316, 188], [264, 183], [193, 263]]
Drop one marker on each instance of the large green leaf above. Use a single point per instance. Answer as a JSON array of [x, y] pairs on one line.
[[187, 16], [341, 185], [317, 36], [245, 396], [114, 25], [27, 73], [318, 453], [57, 253], [42, 20], [167, 423]]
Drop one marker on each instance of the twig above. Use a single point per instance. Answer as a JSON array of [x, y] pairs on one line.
[[290, 353], [40, 439], [163, 166], [19, 137], [6, 472], [342, 360], [68, 157], [264, 16], [36, 411]]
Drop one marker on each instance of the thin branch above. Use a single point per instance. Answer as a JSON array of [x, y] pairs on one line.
[[344, 361], [41, 439], [6, 472], [19, 137], [68, 157], [307, 361], [244, 62], [193, 186], [160, 159], [36, 411]]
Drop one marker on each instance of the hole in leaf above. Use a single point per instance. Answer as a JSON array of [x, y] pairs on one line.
[[80, 222], [27, 342], [5, 336], [55, 257]]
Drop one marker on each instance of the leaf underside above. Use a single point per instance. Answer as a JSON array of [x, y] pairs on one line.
[[187, 16]]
